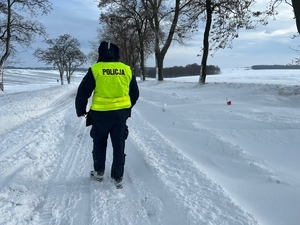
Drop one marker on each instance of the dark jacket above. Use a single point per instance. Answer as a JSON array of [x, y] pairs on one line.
[[107, 53]]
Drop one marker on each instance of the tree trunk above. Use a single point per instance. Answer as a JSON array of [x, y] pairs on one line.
[[1, 78], [7, 45], [296, 6], [61, 79], [157, 51], [61, 75], [159, 66], [68, 78], [142, 63], [143, 71], [141, 32], [206, 42], [2, 63], [68, 74]]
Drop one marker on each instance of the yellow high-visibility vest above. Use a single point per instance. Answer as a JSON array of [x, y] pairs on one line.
[[112, 86]]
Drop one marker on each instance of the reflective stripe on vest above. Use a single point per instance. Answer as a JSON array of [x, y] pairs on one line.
[[112, 81]]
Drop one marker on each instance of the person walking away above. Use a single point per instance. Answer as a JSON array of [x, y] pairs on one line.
[[115, 92]]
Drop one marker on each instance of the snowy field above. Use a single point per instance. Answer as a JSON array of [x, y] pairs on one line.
[[191, 158]]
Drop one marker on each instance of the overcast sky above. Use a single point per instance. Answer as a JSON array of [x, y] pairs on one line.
[[266, 45]]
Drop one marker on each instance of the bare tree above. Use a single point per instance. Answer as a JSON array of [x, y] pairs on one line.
[[131, 14], [121, 33], [169, 22], [272, 12], [223, 21], [74, 59], [135, 14], [295, 4], [63, 54], [92, 57], [16, 29]]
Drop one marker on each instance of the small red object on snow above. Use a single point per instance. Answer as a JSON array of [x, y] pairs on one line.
[[228, 101]]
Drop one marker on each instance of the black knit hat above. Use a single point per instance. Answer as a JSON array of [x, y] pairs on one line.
[[108, 52]]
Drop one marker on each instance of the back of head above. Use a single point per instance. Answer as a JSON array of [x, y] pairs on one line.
[[108, 52]]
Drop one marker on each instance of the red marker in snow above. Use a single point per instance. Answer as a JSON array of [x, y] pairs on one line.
[[228, 101]]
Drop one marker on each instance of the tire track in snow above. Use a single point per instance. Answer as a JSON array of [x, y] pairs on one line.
[[31, 161], [23, 137], [49, 152], [16, 147], [160, 208], [24, 130], [68, 194], [8, 163], [21, 112]]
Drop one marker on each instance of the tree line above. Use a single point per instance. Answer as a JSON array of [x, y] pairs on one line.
[[274, 67], [140, 28], [144, 27], [188, 70]]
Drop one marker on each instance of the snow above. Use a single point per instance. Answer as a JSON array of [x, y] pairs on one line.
[[191, 158]]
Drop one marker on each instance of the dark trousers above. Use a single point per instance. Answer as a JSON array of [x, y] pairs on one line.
[[99, 133]]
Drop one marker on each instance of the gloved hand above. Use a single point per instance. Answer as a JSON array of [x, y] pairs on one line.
[[89, 120], [83, 114]]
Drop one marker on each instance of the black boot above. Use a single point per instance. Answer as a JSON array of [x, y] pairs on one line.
[[97, 175]]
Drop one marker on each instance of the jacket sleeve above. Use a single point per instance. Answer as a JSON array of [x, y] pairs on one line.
[[134, 92], [84, 92]]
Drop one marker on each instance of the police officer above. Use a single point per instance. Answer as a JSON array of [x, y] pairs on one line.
[[115, 93]]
